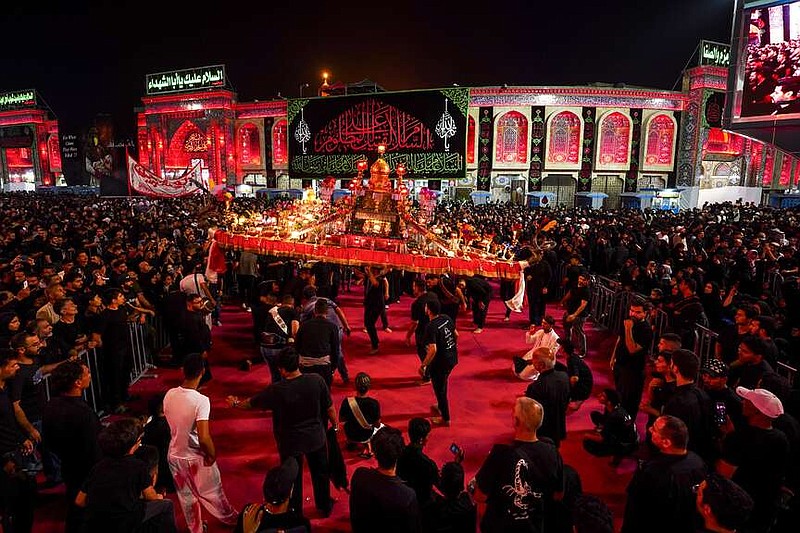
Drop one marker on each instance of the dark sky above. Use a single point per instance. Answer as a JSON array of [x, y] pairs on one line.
[[89, 58]]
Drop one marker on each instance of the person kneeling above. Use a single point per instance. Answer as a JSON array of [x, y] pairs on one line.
[[360, 416], [275, 514], [119, 494], [617, 435]]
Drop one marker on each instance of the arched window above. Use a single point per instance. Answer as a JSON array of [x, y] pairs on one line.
[[471, 141], [615, 132], [660, 140], [187, 143], [249, 145], [722, 169], [512, 138], [279, 152], [786, 171], [564, 138]]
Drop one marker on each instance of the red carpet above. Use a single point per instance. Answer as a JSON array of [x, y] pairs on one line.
[[482, 389]]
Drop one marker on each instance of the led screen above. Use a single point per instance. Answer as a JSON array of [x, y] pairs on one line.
[[768, 77]]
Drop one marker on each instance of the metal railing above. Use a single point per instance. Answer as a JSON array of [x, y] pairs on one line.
[[145, 340], [705, 343], [789, 372]]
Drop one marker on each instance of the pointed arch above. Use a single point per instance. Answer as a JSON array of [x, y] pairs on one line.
[[280, 153], [564, 137], [248, 141], [614, 142], [187, 143], [659, 142], [511, 138], [471, 148]]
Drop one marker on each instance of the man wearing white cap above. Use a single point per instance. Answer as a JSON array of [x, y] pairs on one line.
[[756, 455]]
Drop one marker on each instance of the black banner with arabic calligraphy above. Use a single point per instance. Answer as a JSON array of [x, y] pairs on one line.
[[427, 130]]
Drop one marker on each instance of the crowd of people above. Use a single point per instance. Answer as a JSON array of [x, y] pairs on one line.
[[73, 279]]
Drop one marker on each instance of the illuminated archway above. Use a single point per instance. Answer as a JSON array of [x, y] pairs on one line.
[[660, 141], [280, 154], [614, 146], [564, 139], [511, 139], [471, 141], [187, 143], [249, 144]]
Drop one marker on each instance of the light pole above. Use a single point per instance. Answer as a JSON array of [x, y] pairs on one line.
[[303, 86]]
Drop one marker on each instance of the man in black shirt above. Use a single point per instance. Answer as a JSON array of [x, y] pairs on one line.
[[480, 295], [301, 407], [275, 513], [660, 497], [359, 429], [577, 302], [691, 404], [750, 365], [374, 304], [518, 484], [112, 336], [318, 343], [414, 467], [17, 487], [630, 356], [441, 357], [756, 456], [551, 389], [275, 326], [723, 505], [70, 427], [419, 321], [537, 281], [379, 500]]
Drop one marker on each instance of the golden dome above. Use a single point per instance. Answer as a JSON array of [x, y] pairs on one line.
[[379, 167]]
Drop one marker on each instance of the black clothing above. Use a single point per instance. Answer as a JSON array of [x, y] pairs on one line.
[[193, 333], [371, 410], [419, 472], [747, 375], [70, 428], [299, 416], [419, 315], [618, 432], [693, 406], [629, 367], [510, 476], [157, 433], [264, 323], [583, 388], [28, 389], [11, 438], [761, 457], [576, 296], [115, 360], [452, 515], [64, 337], [382, 503], [552, 390], [318, 337], [660, 497], [113, 495], [280, 522], [537, 278], [441, 332], [686, 314]]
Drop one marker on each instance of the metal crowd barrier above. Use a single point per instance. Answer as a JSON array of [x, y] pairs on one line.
[[774, 283], [705, 343], [789, 372], [659, 319], [602, 304], [145, 340]]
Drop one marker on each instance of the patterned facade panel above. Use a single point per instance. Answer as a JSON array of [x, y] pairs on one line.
[[538, 140], [471, 140], [280, 144], [564, 140], [589, 134], [269, 122], [658, 150], [614, 142], [511, 140], [485, 131]]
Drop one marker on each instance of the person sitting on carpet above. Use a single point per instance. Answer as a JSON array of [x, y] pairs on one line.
[[275, 514], [617, 436], [581, 379], [456, 511], [414, 467], [361, 416], [545, 337]]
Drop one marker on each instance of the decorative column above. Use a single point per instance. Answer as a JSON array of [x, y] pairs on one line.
[[587, 159], [632, 175], [538, 134], [485, 134]]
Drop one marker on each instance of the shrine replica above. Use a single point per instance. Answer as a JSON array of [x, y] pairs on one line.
[[376, 224]]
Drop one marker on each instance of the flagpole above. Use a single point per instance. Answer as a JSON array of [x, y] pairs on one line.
[[127, 169]]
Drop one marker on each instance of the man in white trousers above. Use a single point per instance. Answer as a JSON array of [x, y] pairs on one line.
[[191, 456]]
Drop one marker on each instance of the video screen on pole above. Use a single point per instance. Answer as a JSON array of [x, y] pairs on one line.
[[426, 130], [768, 75]]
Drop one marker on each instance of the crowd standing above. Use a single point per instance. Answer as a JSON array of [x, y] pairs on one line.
[[73, 279]]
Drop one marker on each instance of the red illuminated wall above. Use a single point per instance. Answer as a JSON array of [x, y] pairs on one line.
[[512, 138], [563, 145]]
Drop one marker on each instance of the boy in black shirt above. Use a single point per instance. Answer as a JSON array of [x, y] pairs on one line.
[[441, 357]]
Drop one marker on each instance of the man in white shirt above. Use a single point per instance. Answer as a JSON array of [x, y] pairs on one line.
[[192, 456], [546, 337]]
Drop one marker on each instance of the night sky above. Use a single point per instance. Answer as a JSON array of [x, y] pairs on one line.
[[90, 59]]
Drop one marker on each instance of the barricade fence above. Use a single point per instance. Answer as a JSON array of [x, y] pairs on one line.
[[609, 308], [145, 340]]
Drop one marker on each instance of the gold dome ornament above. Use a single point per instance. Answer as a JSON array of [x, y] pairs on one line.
[[379, 172]]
